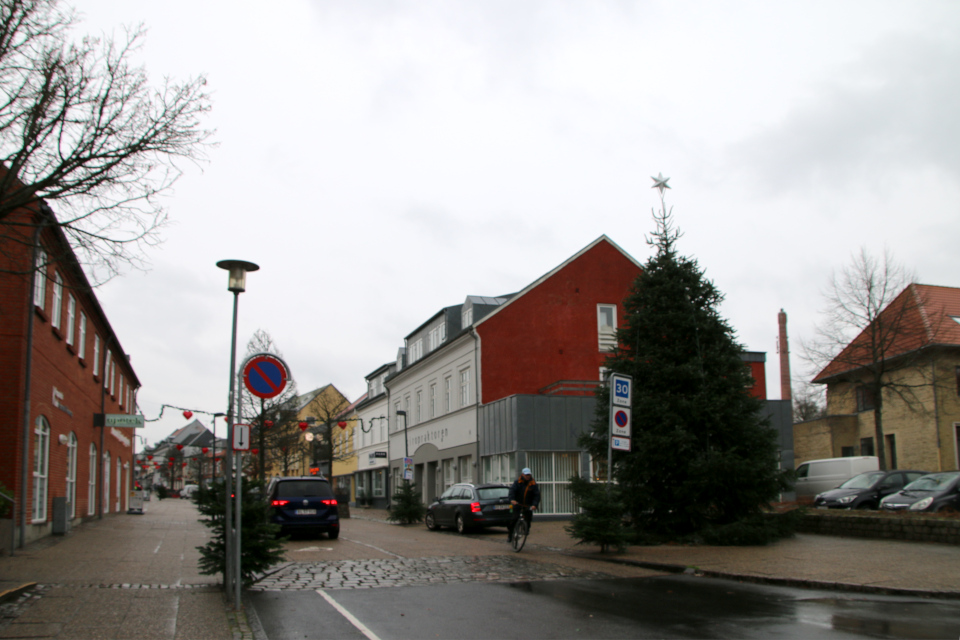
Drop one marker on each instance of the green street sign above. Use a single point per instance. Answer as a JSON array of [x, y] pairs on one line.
[[118, 420]]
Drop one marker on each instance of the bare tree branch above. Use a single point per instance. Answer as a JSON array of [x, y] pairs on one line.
[[81, 126]]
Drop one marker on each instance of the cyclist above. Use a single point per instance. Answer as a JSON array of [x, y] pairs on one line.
[[526, 494]]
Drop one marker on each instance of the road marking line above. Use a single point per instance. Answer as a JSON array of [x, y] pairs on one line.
[[349, 616], [158, 546], [373, 547]]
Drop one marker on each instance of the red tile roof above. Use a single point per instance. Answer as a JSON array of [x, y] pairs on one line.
[[930, 316]]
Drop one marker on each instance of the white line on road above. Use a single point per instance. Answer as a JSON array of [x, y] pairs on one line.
[[373, 547], [349, 616], [158, 546]]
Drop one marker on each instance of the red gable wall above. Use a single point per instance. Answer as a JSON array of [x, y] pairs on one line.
[[549, 333]]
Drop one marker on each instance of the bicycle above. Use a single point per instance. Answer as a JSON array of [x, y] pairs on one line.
[[521, 529]]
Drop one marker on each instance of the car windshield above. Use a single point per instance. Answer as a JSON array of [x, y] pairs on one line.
[[862, 481], [933, 482], [304, 489], [493, 493]]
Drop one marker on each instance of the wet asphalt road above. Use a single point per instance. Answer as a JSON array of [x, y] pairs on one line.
[[658, 607], [387, 582]]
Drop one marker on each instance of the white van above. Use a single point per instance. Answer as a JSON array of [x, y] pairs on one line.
[[817, 476]]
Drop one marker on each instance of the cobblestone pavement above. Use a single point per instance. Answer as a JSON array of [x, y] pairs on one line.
[[403, 572]]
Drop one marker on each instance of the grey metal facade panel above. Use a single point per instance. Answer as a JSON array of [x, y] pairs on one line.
[[534, 423]]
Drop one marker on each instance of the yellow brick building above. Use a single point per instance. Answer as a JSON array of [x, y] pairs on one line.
[[920, 411]]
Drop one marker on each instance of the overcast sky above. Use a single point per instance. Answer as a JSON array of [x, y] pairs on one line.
[[381, 160]]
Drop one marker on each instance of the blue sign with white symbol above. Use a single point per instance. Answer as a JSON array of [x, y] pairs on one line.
[[621, 386]]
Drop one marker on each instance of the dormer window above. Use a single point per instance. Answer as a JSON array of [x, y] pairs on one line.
[[466, 317]]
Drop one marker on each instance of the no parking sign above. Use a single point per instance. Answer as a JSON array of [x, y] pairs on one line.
[[265, 375]]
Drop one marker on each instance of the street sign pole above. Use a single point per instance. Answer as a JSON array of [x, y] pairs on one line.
[[621, 392]]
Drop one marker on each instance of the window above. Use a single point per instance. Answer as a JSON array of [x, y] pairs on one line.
[[57, 309], [465, 387], [92, 482], [106, 483], [397, 418], [607, 326], [96, 354], [82, 336], [120, 386], [447, 390], [433, 400], [552, 472], [119, 478], [866, 446], [447, 473], [72, 474], [500, 468], [415, 351], [40, 281], [466, 317], [378, 483], [865, 399], [41, 468], [419, 406], [71, 317], [465, 468], [891, 450]]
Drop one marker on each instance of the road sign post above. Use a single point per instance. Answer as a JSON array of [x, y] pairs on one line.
[[621, 403]]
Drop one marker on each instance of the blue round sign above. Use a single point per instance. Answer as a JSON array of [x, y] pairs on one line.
[[620, 417]]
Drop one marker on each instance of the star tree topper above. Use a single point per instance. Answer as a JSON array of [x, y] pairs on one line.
[[660, 183]]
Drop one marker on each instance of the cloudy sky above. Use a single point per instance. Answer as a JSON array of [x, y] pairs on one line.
[[381, 160]]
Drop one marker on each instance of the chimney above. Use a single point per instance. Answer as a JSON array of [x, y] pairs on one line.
[[784, 349]]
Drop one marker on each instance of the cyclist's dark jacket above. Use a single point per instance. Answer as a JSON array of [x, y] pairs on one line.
[[525, 493]]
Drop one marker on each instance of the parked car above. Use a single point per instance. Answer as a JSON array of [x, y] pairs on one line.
[[188, 490], [303, 504], [864, 491], [817, 476], [938, 492], [467, 506]]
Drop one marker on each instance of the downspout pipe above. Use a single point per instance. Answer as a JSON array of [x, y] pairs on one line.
[[28, 367]]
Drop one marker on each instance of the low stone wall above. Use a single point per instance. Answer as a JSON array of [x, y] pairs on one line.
[[882, 526]]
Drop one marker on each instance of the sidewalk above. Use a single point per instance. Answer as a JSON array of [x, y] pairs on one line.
[[126, 576], [925, 569]]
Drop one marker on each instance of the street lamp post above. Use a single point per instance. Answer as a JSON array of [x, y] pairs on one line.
[[236, 284]]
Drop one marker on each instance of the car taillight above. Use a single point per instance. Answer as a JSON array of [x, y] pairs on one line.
[[329, 502], [475, 507], [279, 503]]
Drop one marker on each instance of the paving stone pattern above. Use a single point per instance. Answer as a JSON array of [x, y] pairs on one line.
[[372, 574]]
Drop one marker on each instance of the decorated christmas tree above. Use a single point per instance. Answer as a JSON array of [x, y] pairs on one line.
[[703, 457]]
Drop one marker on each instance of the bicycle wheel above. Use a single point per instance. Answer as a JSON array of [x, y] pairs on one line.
[[519, 534]]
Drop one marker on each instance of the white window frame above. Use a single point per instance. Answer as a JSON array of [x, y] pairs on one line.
[[465, 387], [82, 336], [466, 317], [92, 481], [96, 354], [71, 476], [106, 482], [552, 470], [433, 400], [119, 483], [41, 470], [56, 309], [448, 394], [606, 333], [40, 281], [419, 406], [71, 318]]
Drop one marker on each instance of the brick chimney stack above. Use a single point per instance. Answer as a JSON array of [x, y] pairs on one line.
[[784, 350]]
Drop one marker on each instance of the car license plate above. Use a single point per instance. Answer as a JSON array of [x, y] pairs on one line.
[[306, 512], [501, 506]]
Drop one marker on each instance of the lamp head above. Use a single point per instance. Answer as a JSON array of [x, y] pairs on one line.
[[238, 273]]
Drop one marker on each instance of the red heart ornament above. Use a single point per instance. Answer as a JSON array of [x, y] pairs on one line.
[[188, 414]]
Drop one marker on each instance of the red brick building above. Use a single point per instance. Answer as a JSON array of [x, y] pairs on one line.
[[62, 364]]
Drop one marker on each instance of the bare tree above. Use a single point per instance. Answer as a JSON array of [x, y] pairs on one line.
[[807, 402], [81, 126], [326, 406], [873, 326], [272, 419]]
